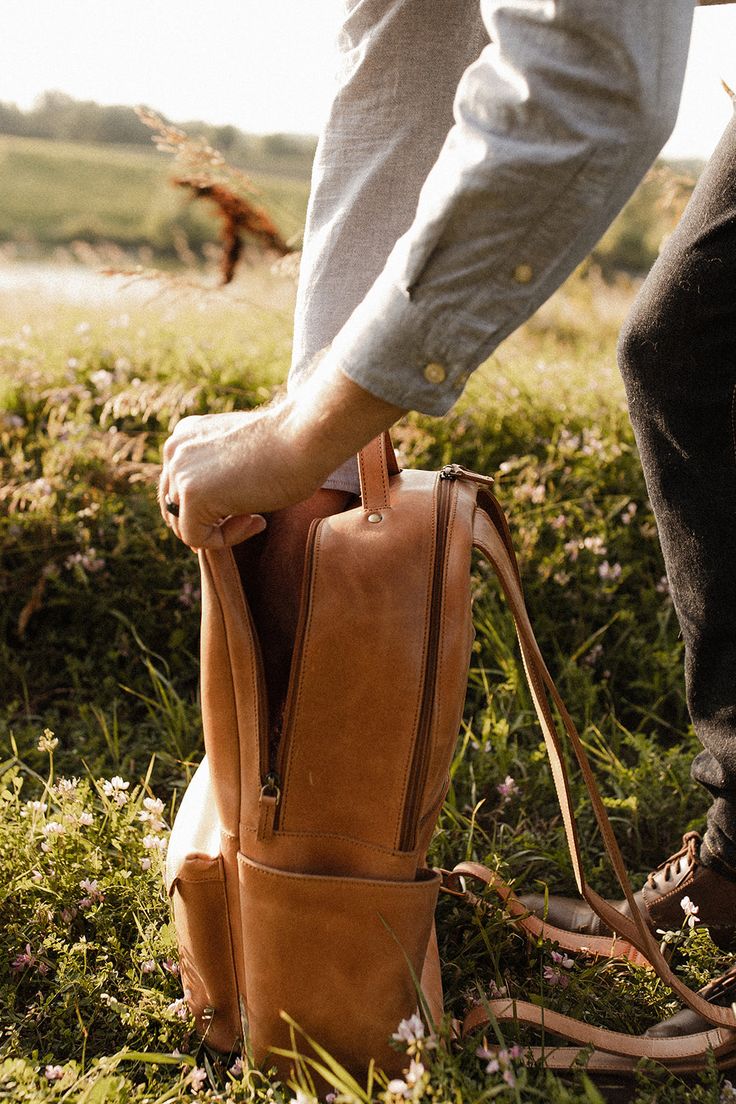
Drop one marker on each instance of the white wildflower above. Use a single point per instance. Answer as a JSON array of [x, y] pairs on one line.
[[691, 911], [596, 545], [197, 1079], [609, 572], [507, 789], [47, 741], [31, 807], [572, 550], [66, 786], [151, 814], [154, 843], [179, 1008], [411, 1087], [115, 789], [413, 1034]]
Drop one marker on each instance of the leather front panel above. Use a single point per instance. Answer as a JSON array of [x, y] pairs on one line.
[[354, 717]]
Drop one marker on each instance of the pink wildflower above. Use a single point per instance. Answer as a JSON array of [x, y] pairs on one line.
[[24, 960], [554, 976], [508, 788]]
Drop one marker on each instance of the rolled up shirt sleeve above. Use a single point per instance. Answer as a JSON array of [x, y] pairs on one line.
[[555, 124]]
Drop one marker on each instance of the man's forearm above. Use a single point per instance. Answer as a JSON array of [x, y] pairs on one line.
[[329, 418]]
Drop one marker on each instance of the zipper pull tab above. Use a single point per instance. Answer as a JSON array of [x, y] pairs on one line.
[[268, 801], [457, 471]]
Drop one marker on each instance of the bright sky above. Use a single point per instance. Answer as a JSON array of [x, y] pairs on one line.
[[264, 65]]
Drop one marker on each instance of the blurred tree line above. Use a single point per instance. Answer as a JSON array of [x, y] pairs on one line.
[[59, 116], [55, 194]]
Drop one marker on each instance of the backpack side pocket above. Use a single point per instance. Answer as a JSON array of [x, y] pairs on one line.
[[206, 958], [339, 955]]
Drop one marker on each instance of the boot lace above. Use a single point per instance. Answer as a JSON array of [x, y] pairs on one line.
[[669, 868]]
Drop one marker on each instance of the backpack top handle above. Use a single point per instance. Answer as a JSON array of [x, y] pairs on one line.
[[376, 464]]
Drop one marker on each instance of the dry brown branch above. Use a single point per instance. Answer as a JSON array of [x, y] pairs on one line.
[[195, 155], [208, 175], [238, 217]]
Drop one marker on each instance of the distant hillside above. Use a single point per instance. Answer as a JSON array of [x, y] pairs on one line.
[[53, 193], [62, 118], [73, 171]]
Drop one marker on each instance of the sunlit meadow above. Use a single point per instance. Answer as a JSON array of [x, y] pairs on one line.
[[100, 720]]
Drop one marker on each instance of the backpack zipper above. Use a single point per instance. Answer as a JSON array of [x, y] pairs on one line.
[[272, 770], [457, 471], [270, 785], [420, 759]]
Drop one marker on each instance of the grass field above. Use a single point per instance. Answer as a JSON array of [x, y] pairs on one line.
[[99, 645]]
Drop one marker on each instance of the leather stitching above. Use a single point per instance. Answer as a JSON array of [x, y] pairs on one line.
[[336, 880], [443, 629], [383, 469], [372, 847], [363, 482]]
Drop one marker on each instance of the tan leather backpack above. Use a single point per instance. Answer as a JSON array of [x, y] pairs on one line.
[[298, 880]]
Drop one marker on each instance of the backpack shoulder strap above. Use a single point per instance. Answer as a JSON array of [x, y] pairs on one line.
[[492, 538]]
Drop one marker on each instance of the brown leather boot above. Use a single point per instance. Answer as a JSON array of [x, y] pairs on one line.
[[682, 875], [721, 992]]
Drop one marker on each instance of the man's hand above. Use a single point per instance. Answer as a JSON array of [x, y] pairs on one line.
[[223, 470]]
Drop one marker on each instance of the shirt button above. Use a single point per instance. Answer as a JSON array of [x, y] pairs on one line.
[[435, 373], [523, 274]]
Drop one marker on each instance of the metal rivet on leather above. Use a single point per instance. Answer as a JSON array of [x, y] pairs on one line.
[[375, 517]]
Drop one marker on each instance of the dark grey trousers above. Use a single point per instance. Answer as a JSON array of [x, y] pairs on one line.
[[678, 360]]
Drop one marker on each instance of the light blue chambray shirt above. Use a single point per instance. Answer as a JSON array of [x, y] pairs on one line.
[[555, 125]]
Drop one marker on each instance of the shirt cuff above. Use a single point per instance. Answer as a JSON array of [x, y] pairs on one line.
[[404, 352]]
